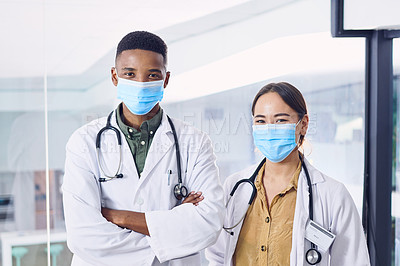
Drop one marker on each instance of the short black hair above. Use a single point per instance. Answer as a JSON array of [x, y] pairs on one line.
[[142, 40]]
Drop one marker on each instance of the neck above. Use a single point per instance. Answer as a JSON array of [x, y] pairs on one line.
[[282, 171], [136, 121]]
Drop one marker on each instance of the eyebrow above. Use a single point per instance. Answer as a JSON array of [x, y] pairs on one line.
[[276, 115], [133, 69], [155, 70], [281, 114]]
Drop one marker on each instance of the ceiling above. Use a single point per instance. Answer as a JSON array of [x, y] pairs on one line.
[[213, 46], [70, 36]]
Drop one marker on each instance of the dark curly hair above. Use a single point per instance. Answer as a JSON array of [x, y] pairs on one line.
[[142, 40]]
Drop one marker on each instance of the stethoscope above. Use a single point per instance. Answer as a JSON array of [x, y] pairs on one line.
[[313, 256], [180, 191]]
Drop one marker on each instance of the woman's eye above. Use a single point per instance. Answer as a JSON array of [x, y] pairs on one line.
[[280, 121], [129, 74], [153, 76], [259, 121]]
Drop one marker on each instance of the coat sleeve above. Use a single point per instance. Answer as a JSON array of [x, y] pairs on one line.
[[187, 229], [349, 247], [215, 254], [89, 235]]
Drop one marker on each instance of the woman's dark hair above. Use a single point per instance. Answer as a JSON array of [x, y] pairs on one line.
[[289, 94]]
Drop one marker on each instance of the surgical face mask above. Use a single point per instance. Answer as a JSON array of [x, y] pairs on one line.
[[275, 141], [140, 97]]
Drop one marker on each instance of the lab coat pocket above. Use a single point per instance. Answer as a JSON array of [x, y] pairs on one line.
[[123, 187], [171, 179]]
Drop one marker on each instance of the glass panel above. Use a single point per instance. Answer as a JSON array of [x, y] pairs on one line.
[[330, 74], [22, 156], [396, 154]]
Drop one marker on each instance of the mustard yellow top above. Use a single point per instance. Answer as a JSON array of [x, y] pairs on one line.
[[266, 234]]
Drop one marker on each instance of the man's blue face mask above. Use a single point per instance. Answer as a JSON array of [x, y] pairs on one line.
[[140, 97], [275, 141]]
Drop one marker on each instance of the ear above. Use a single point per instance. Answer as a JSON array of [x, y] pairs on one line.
[[304, 125], [167, 75], [114, 77]]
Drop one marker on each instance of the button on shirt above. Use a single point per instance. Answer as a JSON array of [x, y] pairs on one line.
[[266, 234], [139, 141]]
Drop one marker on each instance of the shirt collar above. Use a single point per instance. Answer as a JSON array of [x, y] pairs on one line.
[[150, 125], [295, 179], [292, 184]]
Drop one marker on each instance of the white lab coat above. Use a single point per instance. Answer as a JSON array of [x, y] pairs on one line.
[[334, 209], [177, 232]]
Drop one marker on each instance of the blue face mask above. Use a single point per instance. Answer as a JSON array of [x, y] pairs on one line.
[[275, 141], [140, 97]]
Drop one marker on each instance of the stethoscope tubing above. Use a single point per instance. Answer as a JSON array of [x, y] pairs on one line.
[[98, 149], [251, 180], [180, 191], [253, 194], [177, 151]]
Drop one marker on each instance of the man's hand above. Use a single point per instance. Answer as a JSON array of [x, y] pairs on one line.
[[193, 198]]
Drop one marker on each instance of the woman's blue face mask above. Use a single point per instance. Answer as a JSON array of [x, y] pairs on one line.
[[275, 141], [140, 97]]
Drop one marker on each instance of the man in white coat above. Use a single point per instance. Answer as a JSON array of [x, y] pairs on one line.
[[128, 204]]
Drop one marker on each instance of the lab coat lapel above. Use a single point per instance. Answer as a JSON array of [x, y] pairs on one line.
[[299, 222], [301, 214], [162, 143], [237, 209], [237, 214]]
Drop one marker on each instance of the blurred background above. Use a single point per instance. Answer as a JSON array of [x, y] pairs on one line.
[[56, 58]]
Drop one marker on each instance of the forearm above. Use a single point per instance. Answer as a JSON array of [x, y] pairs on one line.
[[135, 221], [91, 237]]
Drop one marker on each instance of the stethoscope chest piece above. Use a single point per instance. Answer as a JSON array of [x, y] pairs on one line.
[[180, 191], [313, 256]]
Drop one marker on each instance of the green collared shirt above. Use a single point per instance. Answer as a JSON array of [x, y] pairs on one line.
[[139, 141]]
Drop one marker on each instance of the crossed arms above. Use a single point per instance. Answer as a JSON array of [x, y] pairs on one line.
[[136, 221]]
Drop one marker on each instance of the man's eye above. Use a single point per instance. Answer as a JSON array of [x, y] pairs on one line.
[[259, 121], [129, 74], [278, 121]]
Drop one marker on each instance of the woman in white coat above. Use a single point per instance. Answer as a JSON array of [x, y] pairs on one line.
[[271, 229]]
